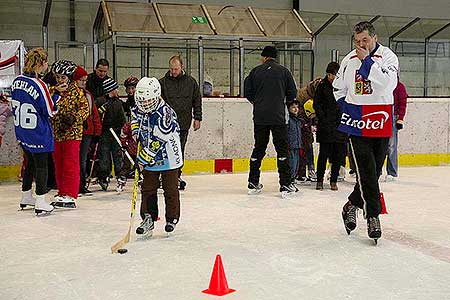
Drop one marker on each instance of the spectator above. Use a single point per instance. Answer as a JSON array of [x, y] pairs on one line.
[[92, 127], [95, 80], [33, 130], [111, 111], [270, 87], [5, 113], [332, 142], [400, 99], [73, 110], [130, 88], [295, 138], [182, 93]]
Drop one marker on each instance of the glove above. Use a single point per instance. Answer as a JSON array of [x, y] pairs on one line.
[[399, 124], [102, 109], [67, 121]]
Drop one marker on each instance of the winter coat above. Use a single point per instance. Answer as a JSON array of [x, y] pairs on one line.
[[307, 135], [294, 132], [307, 92], [400, 99], [126, 138], [270, 87], [92, 125], [111, 110], [94, 85], [73, 109], [5, 112], [182, 93], [328, 114]]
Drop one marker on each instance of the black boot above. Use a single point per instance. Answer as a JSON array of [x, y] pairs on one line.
[[349, 216]]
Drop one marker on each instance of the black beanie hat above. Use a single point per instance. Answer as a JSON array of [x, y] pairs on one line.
[[269, 51]]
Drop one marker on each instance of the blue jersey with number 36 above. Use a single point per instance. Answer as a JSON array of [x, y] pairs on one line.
[[32, 108]]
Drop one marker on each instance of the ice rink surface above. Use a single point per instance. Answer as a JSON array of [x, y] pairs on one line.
[[272, 248]]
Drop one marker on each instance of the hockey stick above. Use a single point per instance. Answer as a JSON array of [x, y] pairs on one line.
[[123, 149], [126, 238], [120, 144]]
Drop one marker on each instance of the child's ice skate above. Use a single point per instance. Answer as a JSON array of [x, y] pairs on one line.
[[146, 226], [27, 200], [64, 202]]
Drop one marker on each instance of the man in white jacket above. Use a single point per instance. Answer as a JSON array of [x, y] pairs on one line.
[[364, 89]]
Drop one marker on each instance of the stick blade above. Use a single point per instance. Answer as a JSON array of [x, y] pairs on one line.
[[121, 243]]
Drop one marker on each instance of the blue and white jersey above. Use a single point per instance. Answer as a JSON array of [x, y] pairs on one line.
[[32, 108], [159, 138]]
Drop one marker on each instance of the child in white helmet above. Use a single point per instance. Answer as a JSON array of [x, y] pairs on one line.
[[156, 129]]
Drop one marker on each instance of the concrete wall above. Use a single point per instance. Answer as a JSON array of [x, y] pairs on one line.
[[227, 131]]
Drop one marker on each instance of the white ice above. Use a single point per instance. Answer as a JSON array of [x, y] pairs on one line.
[[272, 248]]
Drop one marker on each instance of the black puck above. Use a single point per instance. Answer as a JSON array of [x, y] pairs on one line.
[[122, 251]]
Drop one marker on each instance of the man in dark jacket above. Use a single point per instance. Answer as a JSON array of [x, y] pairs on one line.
[[332, 142], [95, 80], [182, 93], [111, 110], [270, 87]]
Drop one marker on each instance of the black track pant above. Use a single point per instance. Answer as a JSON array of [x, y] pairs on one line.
[[37, 168], [369, 154], [280, 141], [335, 153]]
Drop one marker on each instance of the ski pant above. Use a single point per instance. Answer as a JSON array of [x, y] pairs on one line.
[[149, 203], [335, 153], [369, 154], [392, 155], [280, 141], [294, 160], [67, 167], [183, 139], [84, 149], [108, 147], [36, 167]]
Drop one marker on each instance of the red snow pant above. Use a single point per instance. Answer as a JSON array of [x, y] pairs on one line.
[[67, 167]]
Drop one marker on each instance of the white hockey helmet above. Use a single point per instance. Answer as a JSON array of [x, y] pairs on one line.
[[148, 92]]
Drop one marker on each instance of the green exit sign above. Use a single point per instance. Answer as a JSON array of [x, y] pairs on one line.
[[199, 20]]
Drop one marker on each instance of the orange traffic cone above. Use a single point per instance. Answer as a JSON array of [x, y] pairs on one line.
[[218, 285], [383, 204]]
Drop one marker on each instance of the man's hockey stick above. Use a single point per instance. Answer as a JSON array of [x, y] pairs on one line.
[[126, 238]]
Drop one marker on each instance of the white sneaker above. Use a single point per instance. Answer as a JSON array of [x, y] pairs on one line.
[[27, 199], [42, 206], [390, 178]]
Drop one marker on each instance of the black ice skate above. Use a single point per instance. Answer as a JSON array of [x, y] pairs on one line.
[[254, 189], [288, 190], [146, 226], [349, 216], [374, 228], [103, 184], [170, 226], [64, 202]]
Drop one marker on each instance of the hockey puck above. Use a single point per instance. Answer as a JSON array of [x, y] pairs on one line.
[[122, 251]]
